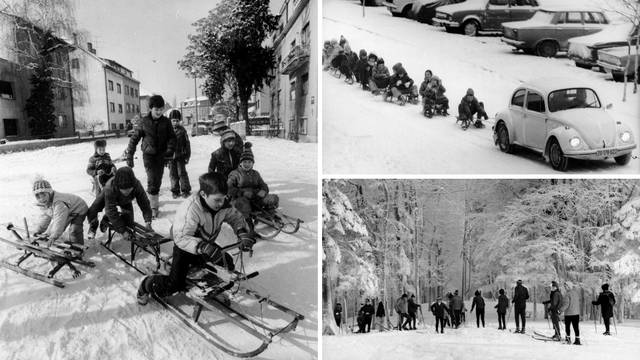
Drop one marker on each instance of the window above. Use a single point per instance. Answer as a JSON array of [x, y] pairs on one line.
[[119, 88], [75, 63], [305, 35], [137, 108], [302, 126], [498, 2], [574, 18], [292, 91], [126, 89], [114, 127], [110, 85], [121, 126], [518, 98], [136, 90], [305, 84], [6, 90], [62, 121], [10, 127], [594, 18], [120, 108], [128, 107], [535, 102], [112, 107]]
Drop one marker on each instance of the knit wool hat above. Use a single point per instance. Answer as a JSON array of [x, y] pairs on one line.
[[219, 126], [175, 114], [41, 185], [124, 178], [247, 154], [554, 284], [227, 135], [100, 143], [605, 287], [156, 101], [469, 91], [519, 282]]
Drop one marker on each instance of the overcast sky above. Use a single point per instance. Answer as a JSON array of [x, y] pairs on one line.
[[148, 37]]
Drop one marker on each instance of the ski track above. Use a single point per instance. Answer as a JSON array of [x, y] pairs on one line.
[[96, 316]]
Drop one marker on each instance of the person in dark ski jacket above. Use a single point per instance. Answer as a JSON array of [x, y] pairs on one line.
[[402, 308], [469, 105], [439, 310], [380, 315], [100, 166], [502, 306], [220, 126], [226, 158], [400, 84], [606, 300], [413, 309], [119, 192], [520, 296], [456, 305], [158, 145], [478, 304], [379, 75], [362, 70], [177, 167], [554, 302], [337, 314], [367, 315]]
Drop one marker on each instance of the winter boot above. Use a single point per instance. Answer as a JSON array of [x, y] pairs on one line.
[[103, 224], [155, 205], [143, 295], [577, 341], [175, 195], [555, 337], [186, 194], [606, 333]]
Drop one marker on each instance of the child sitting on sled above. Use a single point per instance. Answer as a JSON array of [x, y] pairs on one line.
[[59, 211], [100, 167], [247, 191], [469, 105], [401, 87]]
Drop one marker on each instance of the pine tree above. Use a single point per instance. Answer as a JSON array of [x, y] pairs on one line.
[[39, 106]]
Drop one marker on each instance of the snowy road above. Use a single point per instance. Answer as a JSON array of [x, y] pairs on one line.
[[97, 317], [364, 135]]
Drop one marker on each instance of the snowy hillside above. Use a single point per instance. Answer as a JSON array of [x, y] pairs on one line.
[[365, 135], [97, 317]]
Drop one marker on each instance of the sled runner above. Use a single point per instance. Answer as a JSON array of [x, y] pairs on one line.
[[208, 296], [277, 222], [466, 123], [142, 239], [60, 253]]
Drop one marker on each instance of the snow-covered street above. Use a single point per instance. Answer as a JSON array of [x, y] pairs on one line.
[[96, 316], [362, 134]]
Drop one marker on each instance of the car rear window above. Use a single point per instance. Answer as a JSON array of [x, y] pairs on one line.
[[499, 2], [594, 18], [535, 102], [518, 98]]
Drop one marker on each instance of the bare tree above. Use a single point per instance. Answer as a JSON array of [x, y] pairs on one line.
[[630, 10]]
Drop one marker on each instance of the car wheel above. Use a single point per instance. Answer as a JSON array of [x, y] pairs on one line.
[[547, 49], [556, 156], [470, 28], [618, 76], [623, 159], [503, 139]]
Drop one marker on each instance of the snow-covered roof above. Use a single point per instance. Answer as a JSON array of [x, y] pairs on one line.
[[549, 84], [200, 98], [612, 33]]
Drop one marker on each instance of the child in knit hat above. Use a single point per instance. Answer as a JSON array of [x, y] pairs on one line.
[[100, 167], [59, 211], [181, 155], [247, 190], [226, 158]]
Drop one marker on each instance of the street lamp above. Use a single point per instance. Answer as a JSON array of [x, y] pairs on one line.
[[195, 91]]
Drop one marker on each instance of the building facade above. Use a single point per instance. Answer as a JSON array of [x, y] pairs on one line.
[[293, 93], [188, 109]]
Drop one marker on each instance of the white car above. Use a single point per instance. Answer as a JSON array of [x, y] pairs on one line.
[[562, 119], [399, 7]]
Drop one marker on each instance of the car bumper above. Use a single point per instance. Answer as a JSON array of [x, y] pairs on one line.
[[447, 23], [582, 61], [610, 66], [600, 154], [514, 43]]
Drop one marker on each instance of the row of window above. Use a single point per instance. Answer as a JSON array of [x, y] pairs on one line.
[[117, 126], [11, 125], [127, 90], [130, 108]]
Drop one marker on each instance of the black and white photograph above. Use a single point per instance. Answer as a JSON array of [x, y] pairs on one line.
[[159, 182], [480, 269], [480, 87]]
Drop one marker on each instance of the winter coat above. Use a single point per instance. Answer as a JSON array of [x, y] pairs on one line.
[[439, 310], [478, 303], [367, 311], [555, 300], [380, 311], [195, 222], [467, 108], [379, 72], [241, 181], [456, 302], [158, 138], [223, 161], [400, 79], [352, 60], [412, 306], [434, 90], [57, 214], [114, 198], [571, 303], [183, 146], [606, 300], [520, 296], [402, 305], [423, 88], [503, 304], [100, 162], [337, 310]]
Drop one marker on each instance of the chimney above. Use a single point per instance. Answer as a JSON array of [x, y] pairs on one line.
[[90, 48]]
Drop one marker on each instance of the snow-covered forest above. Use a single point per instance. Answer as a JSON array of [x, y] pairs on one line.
[[382, 238]]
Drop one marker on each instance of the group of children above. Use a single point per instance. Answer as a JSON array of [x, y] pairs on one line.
[[370, 72]]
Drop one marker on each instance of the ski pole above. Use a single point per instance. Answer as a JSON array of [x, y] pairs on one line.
[[614, 324], [593, 314], [549, 323]]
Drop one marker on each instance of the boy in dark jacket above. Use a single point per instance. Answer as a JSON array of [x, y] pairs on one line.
[[177, 166], [367, 312], [401, 86], [379, 74], [158, 144], [554, 303], [337, 314], [469, 105], [413, 310], [502, 306], [226, 158], [220, 126], [362, 70], [100, 167], [439, 309], [119, 192], [478, 304], [606, 300]]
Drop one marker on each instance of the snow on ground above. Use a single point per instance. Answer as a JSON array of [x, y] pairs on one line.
[[365, 135], [96, 316]]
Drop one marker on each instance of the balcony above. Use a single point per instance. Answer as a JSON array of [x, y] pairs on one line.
[[298, 56]]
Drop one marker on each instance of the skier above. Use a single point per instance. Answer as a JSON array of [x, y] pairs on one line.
[[456, 308], [158, 144], [58, 211], [100, 167], [220, 126], [413, 309], [478, 303], [119, 192], [469, 105], [226, 158], [379, 75], [196, 227], [367, 312], [402, 308], [571, 309], [606, 300], [502, 306], [380, 314], [177, 166], [439, 310], [247, 191], [520, 296], [337, 314], [555, 301], [401, 87]]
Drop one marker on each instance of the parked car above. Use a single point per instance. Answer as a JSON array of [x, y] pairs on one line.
[[614, 60], [583, 50], [562, 119], [425, 10], [474, 16], [372, 2], [399, 7], [550, 29]]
